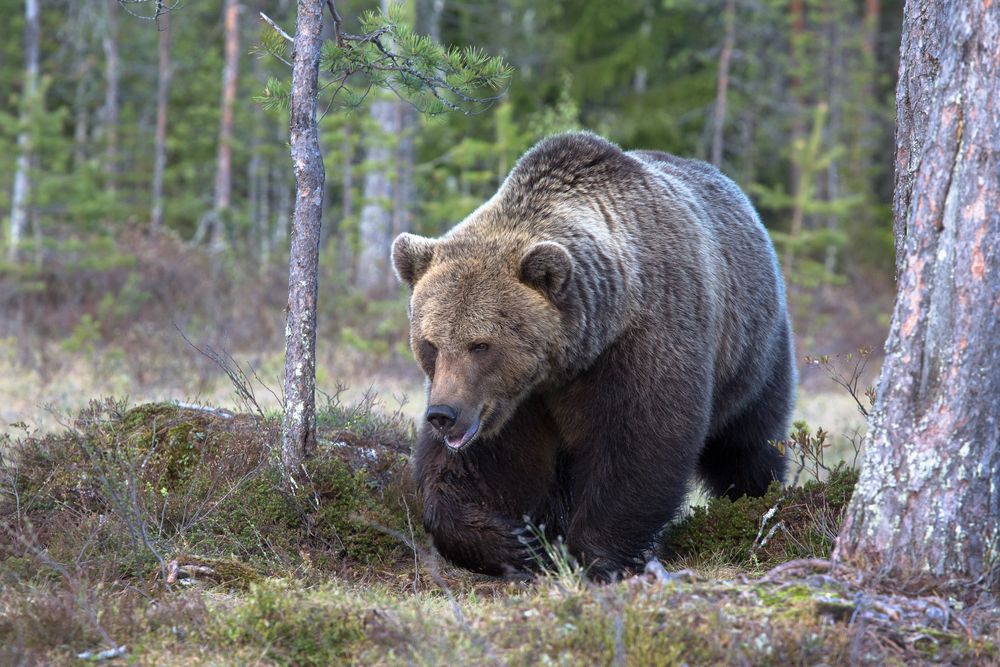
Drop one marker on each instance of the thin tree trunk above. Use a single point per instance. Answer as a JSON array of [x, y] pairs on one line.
[[870, 31], [264, 215], [254, 169], [375, 226], [722, 88], [403, 188], [375, 233], [796, 9], [25, 150], [82, 74], [345, 252], [112, 75], [160, 148], [869, 135], [224, 161], [926, 511], [834, 15], [429, 18], [298, 433]]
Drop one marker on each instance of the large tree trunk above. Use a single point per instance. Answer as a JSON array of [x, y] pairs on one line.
[[722, 85], [22, 176], [224, 161], [926, 511], [298, 434], [112, 75], [160, 147]]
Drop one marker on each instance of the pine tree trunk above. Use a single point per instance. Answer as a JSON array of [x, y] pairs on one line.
[[375, 232], [834, 18], [81, 113], [112, 76], [160, 147], [345, 252], [722, 86], [375, 226], [255, 169], [403, 187], [224, 161], [926, 511], [298, 436], [29, 92], [796, 10]]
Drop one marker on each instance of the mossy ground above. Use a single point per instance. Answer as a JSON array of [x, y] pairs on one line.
[[172, 531]]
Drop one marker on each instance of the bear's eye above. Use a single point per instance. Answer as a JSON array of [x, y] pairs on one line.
[[479, 347]]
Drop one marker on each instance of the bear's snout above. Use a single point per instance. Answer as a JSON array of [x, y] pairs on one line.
[[441, 417]]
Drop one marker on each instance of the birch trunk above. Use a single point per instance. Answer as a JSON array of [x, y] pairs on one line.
[[298, 436], [926, 511], [22, 176]]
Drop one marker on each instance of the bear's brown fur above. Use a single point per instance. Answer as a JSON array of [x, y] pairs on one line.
[[605, 328]]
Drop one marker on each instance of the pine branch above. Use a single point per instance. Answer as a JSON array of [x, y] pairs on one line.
[[391, 56]]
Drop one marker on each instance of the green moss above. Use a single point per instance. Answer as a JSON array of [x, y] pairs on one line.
[[809, 517], [287, 626], [361, 509]]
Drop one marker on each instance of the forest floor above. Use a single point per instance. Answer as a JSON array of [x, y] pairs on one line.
[[163, 534]]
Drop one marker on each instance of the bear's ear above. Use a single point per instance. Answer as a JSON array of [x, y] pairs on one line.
[[411, 257], [546, 266]]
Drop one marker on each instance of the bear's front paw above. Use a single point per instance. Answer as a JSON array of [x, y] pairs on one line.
[[491, 545]]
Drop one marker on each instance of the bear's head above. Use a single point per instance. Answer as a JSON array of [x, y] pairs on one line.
[[485, 325]]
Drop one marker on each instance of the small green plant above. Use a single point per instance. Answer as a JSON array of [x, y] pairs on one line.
[[554, 560]]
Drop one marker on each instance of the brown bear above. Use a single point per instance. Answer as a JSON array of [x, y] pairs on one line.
[[608, 327]]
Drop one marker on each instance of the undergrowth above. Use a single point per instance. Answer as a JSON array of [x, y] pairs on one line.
[[169, 529]]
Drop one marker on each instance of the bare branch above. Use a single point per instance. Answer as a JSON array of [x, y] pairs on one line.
[[277, 28]]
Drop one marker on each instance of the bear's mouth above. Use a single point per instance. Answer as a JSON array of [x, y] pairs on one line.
[[461, 441]]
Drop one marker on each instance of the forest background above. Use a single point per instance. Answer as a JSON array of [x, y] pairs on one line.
[[159, 187]]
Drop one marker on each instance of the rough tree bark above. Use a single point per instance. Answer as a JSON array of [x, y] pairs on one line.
[[299, 424], [22, 177], [160, 147], [112, 76], [926, 511], [722, 86]]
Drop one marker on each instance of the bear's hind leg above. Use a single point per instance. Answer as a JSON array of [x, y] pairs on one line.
[[740, 459]]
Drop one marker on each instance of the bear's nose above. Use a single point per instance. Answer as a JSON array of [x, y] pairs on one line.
[[441, 417]]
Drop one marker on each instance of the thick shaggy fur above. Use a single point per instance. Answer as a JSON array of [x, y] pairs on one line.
[[606, 328]]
